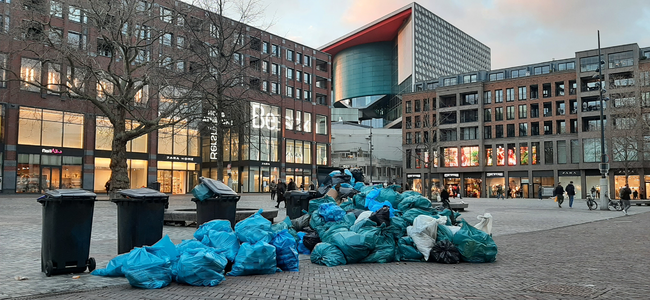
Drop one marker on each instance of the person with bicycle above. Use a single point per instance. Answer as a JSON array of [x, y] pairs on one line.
[[625, 198], [559, 193], [444, 197]]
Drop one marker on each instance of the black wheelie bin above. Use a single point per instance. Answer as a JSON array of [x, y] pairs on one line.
[[140, 217], [297, 201], [221, 203], [67, 225]]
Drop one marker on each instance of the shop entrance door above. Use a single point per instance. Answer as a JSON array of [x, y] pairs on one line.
[[193, 179], [50, 178], [524, 190]]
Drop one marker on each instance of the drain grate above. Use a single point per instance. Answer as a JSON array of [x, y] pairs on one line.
[[572, 290]]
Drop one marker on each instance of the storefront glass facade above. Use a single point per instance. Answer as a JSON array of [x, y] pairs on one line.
[[37, 173], [619, 182], [177, 177], [137, 170], [493, 181]]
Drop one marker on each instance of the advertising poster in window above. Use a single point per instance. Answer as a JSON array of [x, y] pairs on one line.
[[534, 155], [488, 157], [451, 157], [512, 156], [523, 155], [426, 159], [469, 157], [501, 156]]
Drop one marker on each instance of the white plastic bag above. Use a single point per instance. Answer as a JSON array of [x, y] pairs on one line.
[[485, 223], [364, 215], [424, 231]]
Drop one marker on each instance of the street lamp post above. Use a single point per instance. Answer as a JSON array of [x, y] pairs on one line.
[[370, 140], [604, 168]]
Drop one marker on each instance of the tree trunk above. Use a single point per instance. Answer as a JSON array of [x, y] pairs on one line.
[[119, 167]]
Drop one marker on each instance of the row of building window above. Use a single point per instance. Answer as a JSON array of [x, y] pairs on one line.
[[560, 152]]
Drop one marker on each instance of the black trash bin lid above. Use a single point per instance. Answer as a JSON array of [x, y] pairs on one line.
[[68, 194], [217, 187], [141, 194]]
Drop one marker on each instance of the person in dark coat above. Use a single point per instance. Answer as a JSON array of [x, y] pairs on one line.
[[108, 186], [625, 198], [444, 197], [559, 193], [281, 188], [539, 192], [292, 185], [273, 187], [571, 191]]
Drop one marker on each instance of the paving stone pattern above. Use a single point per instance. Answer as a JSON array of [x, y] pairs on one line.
[[544, 253]]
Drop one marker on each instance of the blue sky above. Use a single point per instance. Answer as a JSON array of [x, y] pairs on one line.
[[518, 32]]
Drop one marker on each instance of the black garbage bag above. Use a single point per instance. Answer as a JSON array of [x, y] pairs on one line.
[[301, 222], [323, 189], [357, 174], [444, 252], [382, 216], [341, 178], [310, 240], [346, 192]]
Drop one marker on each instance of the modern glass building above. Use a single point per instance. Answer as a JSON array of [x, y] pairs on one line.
[[375, 64]]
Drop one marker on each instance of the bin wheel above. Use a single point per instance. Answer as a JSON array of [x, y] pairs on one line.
[[49, 267], [91, 264]]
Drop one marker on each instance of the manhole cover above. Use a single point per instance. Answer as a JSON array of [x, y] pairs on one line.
[[566, 289]]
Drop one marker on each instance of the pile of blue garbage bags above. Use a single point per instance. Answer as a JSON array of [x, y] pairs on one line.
[[254, 247], [370, 224], [381, 225]]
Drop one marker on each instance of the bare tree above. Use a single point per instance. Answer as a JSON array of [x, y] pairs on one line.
[[124, 60], [232, 69]]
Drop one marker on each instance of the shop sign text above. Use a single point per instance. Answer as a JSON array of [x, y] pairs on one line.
[[52, 151]]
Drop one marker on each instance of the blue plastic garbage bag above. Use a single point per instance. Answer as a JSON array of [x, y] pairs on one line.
[[254, 229], [254, 259], [286, 251], [407, 194], [114, 267], [301, 247], [347, 172], [397, 227], [347, 205], [384, 245], [216, 225], [147, 271], [165, 249], [373, 205], [327, 235], [389, 194], [285, 224], [414, 202], [331, 212], [444, 233], [200, 267], [201, 192], [372, 195], [347, 185], [318, 223], [413, 213], [314, 204], [354, 246], [406, 250], [326, 254], [474, 245], [358, 186], [222, 242], [190, 244]]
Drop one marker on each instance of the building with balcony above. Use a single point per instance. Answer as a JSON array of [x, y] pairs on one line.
[[57, 140], [375, 64], [532, 126]]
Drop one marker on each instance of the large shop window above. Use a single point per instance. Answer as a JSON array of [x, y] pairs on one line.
[[450, 157], [488, 156], [512, 155], [177, 177], [523, 154], [104, 136], [501, 156], [469, 156], [298, 152], [321, 154], [137, 170], [262, 142], [41, 127], [180, 139], [36, 173]]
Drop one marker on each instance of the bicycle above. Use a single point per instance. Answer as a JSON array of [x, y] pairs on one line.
[[591, 202], [614, 205]]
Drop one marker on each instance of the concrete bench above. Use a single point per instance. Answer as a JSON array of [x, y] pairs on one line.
[[187, 216], [640, 202], [459, 206]]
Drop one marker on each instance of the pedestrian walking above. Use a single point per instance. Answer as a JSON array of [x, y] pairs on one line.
[[292, 185], [559, 193], [312, 186], [539, 192], [500, 192], [593, 192], [635, 194], [281, 188], [108, 186], [571, 191], [273, 188], [444, 197], [625, 198]]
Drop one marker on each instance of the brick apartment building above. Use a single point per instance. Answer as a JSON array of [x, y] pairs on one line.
[[54, 141], [529, 126]]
